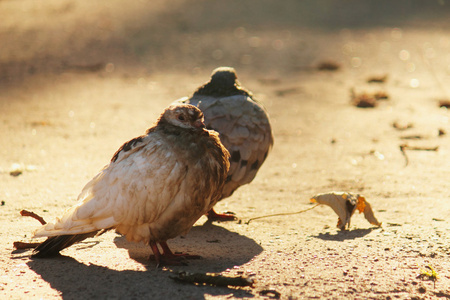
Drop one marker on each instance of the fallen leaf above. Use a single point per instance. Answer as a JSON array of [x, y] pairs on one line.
[[368, 214], [404, 126], [377, 79], [367, 100], [15, 173], [344, 205], [328, 66], [364, 101], [381, 95], [444, 103]]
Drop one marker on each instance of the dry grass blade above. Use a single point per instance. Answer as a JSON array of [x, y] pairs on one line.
[[281, 214], [404, 147]]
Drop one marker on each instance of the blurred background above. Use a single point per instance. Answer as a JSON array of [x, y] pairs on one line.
[[143, 37]]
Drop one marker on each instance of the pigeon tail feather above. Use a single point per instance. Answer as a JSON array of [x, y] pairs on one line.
[[51, 246]]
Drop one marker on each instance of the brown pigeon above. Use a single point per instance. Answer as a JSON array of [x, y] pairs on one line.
[[243, 126], [154, 189]]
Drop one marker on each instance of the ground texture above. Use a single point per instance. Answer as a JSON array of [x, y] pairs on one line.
[[77, 80]]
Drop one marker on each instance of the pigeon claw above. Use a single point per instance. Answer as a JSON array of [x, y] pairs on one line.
[[167, 257], [222, 217]]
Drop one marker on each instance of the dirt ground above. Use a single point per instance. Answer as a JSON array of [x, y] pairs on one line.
[[77, 80]]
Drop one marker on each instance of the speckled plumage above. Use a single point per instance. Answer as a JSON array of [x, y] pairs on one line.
[[243, 125], [154, 189]]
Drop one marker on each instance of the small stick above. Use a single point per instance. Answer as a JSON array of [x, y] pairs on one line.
[[23, 245], [404, 147], [26, 213], [282, 214], [212, 279], [423, 148]]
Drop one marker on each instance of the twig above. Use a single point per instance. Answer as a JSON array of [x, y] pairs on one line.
[[212, 279], [281, 214], [423, 148], [23, 245], [404, 147], [26, 213]]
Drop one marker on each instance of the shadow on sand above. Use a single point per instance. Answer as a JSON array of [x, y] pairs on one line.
[[341, 236], [220, 249]]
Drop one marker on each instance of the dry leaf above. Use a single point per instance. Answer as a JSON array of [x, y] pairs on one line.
[[380, 95], [344, 205], [368, 214], [364, 100], [328, 66], [377, 79], [444, 103]]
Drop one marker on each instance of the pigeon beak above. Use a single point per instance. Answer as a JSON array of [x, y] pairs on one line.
[[199, 124]]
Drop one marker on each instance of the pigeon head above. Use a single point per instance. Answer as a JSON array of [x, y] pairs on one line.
[[224, 76], [184, 116], [223, 83]]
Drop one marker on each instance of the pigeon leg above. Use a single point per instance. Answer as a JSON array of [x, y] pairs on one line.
[[168, 254], [156, 254], [213, 216], [168, 258]]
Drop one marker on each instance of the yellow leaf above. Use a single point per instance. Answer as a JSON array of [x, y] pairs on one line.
[[344, 205], [361, 204]]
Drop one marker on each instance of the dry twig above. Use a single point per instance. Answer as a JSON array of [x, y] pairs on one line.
[[281, 214], [26, 213], [404, 147], [212, 279], [24, 245]]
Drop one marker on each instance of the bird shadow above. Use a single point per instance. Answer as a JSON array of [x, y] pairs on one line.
[[343, 235], [220, 249]]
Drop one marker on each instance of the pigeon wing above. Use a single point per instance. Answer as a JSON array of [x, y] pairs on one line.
[[244, 129], [129, 193]]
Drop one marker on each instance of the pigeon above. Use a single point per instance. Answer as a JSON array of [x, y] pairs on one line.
[[243, 125], [154, 189]]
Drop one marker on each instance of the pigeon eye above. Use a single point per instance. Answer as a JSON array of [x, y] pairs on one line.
[[181, 118]]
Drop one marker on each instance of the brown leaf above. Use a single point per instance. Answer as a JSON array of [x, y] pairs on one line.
[[444, 103], [377, 79], [328, 66], [364, 101]]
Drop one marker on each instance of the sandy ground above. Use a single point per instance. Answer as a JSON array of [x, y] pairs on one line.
[[77, 80]]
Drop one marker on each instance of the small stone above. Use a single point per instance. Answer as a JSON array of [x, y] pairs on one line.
[[15, 173], [422, 290]]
